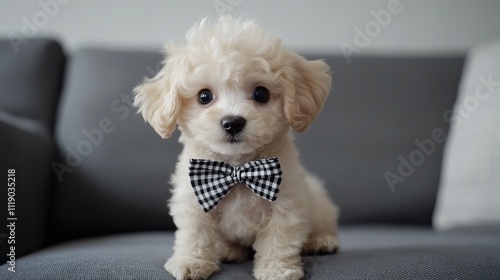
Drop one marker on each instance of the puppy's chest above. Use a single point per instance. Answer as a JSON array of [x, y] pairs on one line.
[[241, 214]]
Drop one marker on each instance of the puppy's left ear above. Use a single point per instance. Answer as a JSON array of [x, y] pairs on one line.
[[306, 87]]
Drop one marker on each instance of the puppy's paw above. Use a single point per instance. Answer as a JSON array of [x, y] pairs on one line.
[[291, 273], [190, 268], [321, 244], [232, 253]]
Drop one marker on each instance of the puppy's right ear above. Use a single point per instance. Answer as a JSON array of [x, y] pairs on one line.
[[159, 101]]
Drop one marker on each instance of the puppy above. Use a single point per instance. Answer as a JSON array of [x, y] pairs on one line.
[[236, 94]]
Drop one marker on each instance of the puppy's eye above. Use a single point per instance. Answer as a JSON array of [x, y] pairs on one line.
[[205, 96], [261, 95]]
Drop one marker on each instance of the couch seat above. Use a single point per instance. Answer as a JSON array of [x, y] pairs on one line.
[[368, 252]]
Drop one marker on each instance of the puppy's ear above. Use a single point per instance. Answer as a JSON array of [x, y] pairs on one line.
[[306, 87], [159, 101]]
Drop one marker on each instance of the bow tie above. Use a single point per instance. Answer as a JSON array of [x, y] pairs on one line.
[[212, 180]]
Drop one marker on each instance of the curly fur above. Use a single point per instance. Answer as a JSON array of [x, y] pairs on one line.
[[231, 57]]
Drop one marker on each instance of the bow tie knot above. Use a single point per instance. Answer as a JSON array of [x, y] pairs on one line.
[[212, 180], [236, 174]]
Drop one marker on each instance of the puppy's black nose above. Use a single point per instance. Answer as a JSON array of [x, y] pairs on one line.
[[233, 124]]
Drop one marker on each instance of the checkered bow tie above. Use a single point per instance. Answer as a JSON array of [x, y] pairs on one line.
[[212, 180]]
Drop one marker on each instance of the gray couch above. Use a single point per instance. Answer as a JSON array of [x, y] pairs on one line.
[[92, 177]]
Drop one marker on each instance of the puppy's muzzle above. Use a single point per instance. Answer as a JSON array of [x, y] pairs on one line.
[[233, 124]]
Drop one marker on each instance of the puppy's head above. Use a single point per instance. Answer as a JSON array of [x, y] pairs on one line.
[[233, 88]]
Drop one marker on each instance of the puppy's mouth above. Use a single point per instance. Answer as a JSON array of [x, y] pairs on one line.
[[235, 139]]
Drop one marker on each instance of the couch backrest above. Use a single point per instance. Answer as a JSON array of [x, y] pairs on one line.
[[114, 169], [379, 141]]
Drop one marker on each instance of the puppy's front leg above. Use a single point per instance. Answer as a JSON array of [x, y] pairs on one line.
[[194, 252], [278, 247]]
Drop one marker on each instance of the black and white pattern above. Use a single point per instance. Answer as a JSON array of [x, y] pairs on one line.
[[212, 180]]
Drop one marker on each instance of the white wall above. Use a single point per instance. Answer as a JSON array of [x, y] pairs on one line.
[[420, 26]]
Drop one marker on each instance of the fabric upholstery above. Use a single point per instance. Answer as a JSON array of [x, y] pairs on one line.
[[469, 193], [378, 107], [29, 151], [377, 252], [30, 83], [116, 168], [31, 79]]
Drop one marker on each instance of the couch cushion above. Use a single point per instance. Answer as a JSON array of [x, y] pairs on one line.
[[367, 142], [469, 193], [367, 253], [113, 169]]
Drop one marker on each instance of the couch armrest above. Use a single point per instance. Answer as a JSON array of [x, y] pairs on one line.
[[26, 148], [31, 79]]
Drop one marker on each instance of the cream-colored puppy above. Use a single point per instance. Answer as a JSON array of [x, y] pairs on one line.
[[235, 93]]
